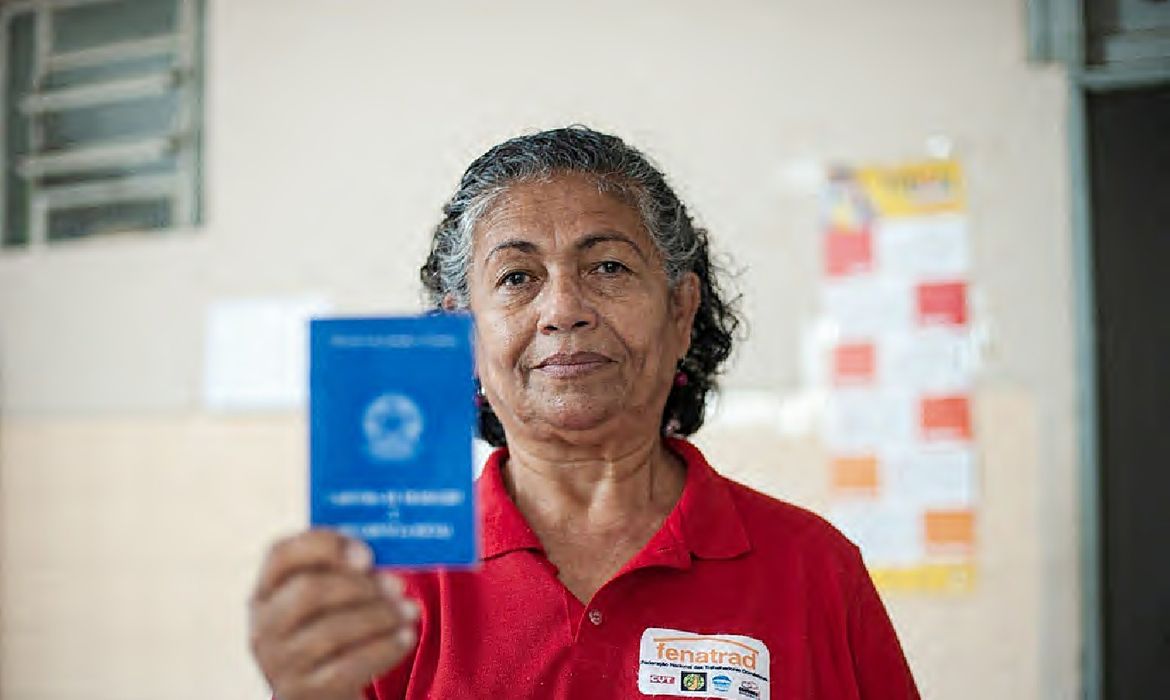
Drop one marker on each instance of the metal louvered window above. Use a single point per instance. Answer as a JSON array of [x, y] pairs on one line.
[[101, 120], [1128, 33]]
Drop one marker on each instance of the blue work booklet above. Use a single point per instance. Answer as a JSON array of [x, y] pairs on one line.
[[391, 421]]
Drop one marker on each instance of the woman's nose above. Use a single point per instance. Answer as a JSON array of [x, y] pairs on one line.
[[564, 306]]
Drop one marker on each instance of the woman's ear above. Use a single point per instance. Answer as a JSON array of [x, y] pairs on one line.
[[685, 298]]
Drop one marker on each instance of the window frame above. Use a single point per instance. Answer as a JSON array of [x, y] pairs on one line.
[[182, 189]]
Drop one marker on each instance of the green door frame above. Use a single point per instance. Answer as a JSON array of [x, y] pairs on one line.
[[1057, 32]]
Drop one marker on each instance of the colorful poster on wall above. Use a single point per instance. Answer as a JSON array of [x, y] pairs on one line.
[[898, 423]]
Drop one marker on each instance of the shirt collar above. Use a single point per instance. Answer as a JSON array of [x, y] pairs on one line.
[[704, 522], [504, 528]]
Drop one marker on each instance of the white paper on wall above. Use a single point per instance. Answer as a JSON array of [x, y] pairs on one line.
[[255, 353], [926, 247], [941, 478], [889, 533], [868, 306], [860, 420], [935, 359]]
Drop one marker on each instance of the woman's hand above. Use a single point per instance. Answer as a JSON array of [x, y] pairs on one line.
[[322, 623]]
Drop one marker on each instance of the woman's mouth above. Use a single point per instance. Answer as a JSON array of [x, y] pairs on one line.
[[568, 365]]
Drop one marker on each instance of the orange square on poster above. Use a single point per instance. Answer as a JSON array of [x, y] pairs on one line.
[[855, 475], [950, 530], [854, 363], [945, 417], [942, 303], [848, 252]]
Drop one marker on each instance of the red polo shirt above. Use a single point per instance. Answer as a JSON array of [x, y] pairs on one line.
[[739, 595]]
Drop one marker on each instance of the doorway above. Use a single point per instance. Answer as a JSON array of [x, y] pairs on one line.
[[1129, 185]]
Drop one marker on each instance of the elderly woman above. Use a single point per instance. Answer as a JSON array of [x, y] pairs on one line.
[[617, 563]]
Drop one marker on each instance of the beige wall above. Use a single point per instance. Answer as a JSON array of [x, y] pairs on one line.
[[132, 518]]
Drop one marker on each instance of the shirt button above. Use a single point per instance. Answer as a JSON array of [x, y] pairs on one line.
[[595, 617]]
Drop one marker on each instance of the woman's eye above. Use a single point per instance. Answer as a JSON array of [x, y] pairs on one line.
[[514, 279], [611, 267]]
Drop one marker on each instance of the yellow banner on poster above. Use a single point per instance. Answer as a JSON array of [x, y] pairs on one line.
[[914, 189], [927, 578]]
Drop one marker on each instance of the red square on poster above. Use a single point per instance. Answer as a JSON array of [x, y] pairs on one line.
[[848, 252], [942, 303], [857, 475], [945, 417], [949, 531], [854, 363]]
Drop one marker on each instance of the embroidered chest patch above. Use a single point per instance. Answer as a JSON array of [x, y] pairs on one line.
[[673, 662]]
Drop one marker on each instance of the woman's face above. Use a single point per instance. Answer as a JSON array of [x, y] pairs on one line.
[[578, 330]]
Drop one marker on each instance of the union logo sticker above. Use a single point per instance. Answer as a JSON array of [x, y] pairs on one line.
[[676, 662]]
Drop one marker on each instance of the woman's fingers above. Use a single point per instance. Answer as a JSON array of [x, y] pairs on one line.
[[357, 665], [315, 549], [306, 595], [334, 633], [337, 654], [322, 623]]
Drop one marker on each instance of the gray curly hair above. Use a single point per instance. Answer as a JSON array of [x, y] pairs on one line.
[[623, 171]]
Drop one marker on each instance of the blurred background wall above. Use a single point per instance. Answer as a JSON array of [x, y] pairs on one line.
[[133, 515]]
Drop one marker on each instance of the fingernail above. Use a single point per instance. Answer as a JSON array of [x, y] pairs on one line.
[[410, 610], [390, 585], [405, 636], [359, 556]]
